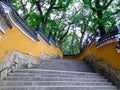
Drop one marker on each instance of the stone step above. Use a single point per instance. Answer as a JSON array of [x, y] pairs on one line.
[[24, 75], [64, 61], [51, 74], [54, 79], [60, 76], [55, 83], [51, 71], [57, 88], [66, 65]]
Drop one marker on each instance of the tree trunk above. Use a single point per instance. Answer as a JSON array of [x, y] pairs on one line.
[[81, 40], [100, 24], [101, 29], [44, 25]]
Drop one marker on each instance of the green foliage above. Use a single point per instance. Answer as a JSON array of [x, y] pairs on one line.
[[69, 15], [33, 20], [108, 18], [71, 47]]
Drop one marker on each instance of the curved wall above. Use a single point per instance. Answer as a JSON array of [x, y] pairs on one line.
[[107, 51]]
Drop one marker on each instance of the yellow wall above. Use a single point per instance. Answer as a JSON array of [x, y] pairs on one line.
[[59, 52], [14, 39], [106, 52]]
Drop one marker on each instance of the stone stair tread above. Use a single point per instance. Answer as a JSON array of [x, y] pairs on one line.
[[52, 71], [55, 83], [38, 84], [57, 88], [54, 74], [9, 81], [56, 77], [61, 60], [53, 79], [49, 76], [103, 83], [67, 65]]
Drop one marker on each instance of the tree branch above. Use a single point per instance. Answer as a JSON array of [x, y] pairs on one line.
[[65, 33], [23, 6], [62, 29], [116, 12], [84, 1], [27, 15], [39, 7], [46, 15], [105, 7], [52, 3], [58, 7]]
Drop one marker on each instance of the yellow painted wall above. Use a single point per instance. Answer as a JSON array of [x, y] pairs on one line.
[[14, 39], [59, 52], [106, 52]]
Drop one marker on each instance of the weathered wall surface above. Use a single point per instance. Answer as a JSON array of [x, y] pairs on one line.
[[106, 52], [15, 35], [104, 58], [14, 39]]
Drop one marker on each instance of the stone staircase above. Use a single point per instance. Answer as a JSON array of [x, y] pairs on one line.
[[56, 75]]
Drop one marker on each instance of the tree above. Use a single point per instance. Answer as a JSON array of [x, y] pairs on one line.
[[82, 19], [43, 8], [69, 21], [103, 13], [48, 13], [71, 43], [54, 6]]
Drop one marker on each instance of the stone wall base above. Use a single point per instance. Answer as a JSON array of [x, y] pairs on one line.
[[20, 60], [17, 60], [44, 56], [102, 67]]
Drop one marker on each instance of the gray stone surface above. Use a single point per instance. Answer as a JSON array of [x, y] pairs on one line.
[[55, 83], [44, 56], [47, 71], [100, 66], [55, 79], [66, 65], [17, 60], [56, 88], [55, 74]]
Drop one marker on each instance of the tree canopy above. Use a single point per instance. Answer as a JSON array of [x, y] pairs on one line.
[[70, 21]]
